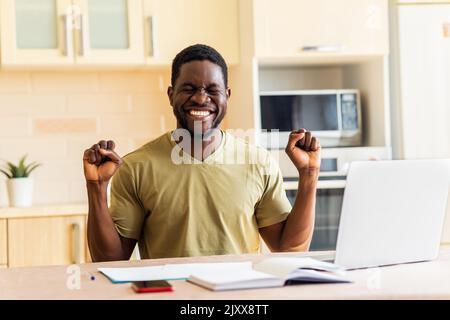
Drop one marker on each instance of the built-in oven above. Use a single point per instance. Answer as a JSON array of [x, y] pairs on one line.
[[329, 197]]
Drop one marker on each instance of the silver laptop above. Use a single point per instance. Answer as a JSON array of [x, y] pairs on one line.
[[393, 212]]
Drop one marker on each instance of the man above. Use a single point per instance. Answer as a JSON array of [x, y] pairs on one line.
[[183, 194]]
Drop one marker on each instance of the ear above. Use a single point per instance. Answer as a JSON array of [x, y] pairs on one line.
[[228, 93], [170, 95]]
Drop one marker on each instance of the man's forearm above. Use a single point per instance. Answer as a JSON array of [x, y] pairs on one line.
[[103, 239], [298, 229]]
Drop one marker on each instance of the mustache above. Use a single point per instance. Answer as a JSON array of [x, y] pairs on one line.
[[191, 104]]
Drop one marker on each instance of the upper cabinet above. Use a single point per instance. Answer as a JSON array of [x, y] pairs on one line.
[[50, 33], [295, 28], [171, 25], [64, 32], [36, 32], [108, 32]]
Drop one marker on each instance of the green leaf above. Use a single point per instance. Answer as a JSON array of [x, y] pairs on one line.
[[6, 173], [20, 173], [11, 166], [30, 168], [21, 170], [14, 172], [22, 163], [30, 165]]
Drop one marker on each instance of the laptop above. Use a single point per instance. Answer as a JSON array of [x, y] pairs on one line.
[[393, 212]]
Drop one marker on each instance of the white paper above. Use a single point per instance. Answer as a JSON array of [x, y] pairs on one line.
[[283, 266], [170, 271]]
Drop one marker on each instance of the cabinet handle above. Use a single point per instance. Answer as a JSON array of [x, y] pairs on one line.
[[151, 32], [81, 35], [68, 41], [323, 48], [76, 252]]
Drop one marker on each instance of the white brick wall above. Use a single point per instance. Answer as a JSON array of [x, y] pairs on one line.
[[54, 116]]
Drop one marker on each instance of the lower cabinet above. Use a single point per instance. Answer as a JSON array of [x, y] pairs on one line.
[[46, 241], [3, 245]]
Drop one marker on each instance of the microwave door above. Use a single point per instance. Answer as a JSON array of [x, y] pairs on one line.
[[276, 113], [315, 112]]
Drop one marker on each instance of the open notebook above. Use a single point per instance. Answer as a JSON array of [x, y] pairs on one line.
[[272, 272]]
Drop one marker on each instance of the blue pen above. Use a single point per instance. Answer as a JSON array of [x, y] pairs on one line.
[[90, 275]]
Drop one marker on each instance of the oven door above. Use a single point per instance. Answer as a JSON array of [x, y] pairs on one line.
[[329, 197]]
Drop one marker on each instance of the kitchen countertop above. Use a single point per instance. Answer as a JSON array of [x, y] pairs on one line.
[[44, 211]]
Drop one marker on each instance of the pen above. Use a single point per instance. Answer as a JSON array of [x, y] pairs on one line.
[[90, 275]]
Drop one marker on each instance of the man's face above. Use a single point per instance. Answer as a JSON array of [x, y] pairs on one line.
[[199, 96]]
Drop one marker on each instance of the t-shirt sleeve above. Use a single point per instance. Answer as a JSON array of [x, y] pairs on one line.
[[274, 205], [125, 208]]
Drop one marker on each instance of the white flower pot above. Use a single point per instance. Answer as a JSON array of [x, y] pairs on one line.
[[20, 192]]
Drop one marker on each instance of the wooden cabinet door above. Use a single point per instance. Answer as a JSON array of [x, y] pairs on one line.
[[171, 25], [36, 32], [3, 246], [290, 28], [46, 241], [108, 32], [424, 55]]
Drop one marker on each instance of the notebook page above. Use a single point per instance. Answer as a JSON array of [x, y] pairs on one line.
[[283, 266]]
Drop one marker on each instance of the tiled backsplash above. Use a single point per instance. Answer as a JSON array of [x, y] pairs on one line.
[[54, 116]]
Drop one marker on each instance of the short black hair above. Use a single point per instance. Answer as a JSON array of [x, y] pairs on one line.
[[198, 52]]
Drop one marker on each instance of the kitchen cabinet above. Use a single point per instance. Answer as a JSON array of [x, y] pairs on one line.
[[415, 2], [43, 235], [52, 240], [422, 80], [295, 28], [3, 247], [108, 32], [35, 32], [71, 32], [171, 25]]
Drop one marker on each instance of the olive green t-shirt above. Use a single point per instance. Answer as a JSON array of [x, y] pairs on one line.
[[177, 206]]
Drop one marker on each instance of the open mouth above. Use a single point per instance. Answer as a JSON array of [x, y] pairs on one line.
[[200, 115]]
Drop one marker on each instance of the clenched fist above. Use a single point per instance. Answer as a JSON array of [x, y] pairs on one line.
[[304, 151], [100, 162]]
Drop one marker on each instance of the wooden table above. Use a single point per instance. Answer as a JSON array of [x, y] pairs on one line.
[[425, 280]]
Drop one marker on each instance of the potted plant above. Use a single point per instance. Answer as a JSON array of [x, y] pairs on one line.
[[19, 183]]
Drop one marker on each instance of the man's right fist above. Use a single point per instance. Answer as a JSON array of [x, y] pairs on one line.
[[100, 162]]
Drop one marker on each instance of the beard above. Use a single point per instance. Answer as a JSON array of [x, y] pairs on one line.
[[183, 123]]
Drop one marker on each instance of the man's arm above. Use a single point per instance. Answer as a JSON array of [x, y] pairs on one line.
[[105, 243], [100, 162], [295, 233]]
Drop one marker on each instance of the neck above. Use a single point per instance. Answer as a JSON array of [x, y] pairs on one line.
[[201, 146]]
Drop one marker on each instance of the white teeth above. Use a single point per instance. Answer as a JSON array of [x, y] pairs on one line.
[[199, 113]]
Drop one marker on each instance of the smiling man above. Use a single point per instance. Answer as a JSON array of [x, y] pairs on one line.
[[185, 193]]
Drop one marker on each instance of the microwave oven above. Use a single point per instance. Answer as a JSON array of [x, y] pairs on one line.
[[333, 116]]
